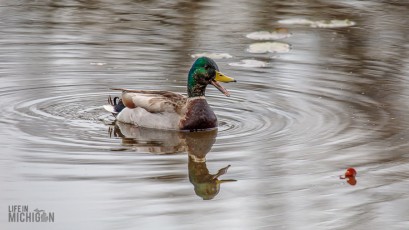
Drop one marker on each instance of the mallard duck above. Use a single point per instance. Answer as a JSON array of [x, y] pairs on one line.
[[169, 110]]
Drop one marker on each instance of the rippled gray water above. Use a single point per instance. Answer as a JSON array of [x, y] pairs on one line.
[[338, 99]]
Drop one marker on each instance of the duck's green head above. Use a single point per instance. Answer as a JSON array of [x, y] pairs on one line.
[[205, 71]]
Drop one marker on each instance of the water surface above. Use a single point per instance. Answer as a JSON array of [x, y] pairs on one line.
[[295, 121]]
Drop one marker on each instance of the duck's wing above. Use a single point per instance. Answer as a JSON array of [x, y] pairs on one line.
[[153, 101]]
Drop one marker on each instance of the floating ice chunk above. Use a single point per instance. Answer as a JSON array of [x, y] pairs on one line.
[[272, 47], [296, 21], [318, 24], [265, 35], [98, 63], [212, 55], [249, 63], [333, 24]]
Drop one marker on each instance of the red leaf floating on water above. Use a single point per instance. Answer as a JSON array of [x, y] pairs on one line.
[[349, 176]]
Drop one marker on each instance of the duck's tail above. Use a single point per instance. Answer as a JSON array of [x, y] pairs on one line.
[[114, 106]]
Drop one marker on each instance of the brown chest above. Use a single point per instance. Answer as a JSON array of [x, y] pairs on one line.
[[198, 116]]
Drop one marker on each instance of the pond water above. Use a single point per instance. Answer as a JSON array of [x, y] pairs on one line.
[[313, 98]]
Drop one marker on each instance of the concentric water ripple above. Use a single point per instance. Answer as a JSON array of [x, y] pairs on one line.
[[69, 119], [73, 116]]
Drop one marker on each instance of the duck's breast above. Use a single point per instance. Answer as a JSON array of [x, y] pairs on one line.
[[198, 116]]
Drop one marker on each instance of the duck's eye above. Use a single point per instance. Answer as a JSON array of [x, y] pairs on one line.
[[207, 67]]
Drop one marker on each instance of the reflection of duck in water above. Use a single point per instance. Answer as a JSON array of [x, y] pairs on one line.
[[148, 140], [197, 144], [206, 185]]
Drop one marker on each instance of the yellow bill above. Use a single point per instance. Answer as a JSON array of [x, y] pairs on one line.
[[221, 78]]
